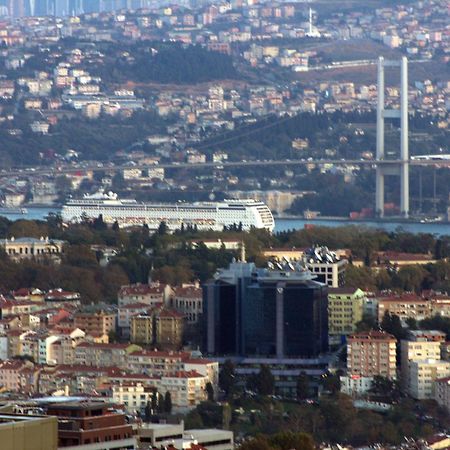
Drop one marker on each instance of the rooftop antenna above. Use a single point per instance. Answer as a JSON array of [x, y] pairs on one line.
[[310, 22]]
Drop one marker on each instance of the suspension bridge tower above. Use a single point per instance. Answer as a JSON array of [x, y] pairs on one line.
[[402, 168]]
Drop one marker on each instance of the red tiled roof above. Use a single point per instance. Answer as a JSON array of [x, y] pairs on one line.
[[140, 289], [59, 294], [399, 256], [102, 345], [79, 368], [198, 361], [442, 380], [189, 292], [133, 376], [137, 305], [12, 365], [170, 313], [184, 374], [372, 335], [411, 298], [161, 354]]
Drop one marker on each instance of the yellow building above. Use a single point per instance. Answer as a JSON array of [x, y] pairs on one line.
[[141, 329], [345, 310], [96, 323], [19, 432], [160, 326], [27, 247], [169, 329]]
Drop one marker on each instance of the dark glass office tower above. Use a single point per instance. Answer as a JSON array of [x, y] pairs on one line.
[[262, 312]]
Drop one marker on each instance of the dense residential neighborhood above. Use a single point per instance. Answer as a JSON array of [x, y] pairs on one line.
[[273, 60], [224, 225]]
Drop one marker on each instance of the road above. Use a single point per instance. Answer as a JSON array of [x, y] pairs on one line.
[[218, 165]]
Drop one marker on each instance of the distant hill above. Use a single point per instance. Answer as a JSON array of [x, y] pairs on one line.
[[166, 63]]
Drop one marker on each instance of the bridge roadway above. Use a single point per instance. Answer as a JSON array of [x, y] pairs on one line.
[[219, 165]]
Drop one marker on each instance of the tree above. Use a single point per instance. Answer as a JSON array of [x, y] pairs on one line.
[[410, 278], [302, 386], [162, 229], [193, 420], [63, 185], [412, 323], [118, 182], [359, 277], [148, 411], [155, 400], [28, 228], [367, 323], [391, 324], [168, 403], [227, 378], [209, 391], [290, 440], [436, 322], [211, 414], [257, 443], [265, 381], [332, 382], [385, 387], [80, 256], [112, 336], [99, 224]]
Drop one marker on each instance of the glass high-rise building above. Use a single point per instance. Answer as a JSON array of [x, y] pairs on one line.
[[262, 312]]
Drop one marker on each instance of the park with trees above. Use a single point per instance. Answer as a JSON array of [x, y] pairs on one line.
[[262, 420], [171, 258]]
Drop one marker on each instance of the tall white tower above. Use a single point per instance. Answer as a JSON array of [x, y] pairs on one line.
[[312, 32], [402, 168], [310, 21]]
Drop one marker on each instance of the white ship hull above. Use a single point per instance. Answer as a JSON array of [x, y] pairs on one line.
[[204, 216]]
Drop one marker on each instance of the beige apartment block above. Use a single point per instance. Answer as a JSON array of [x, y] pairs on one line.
[[372, 353], [420, 345], [422, 377]]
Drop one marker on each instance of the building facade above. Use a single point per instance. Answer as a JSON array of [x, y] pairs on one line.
[[421, 345], [20, 432], [423, 375], [372, 353], [91, 425], [345, 310], [27, 247], [281, 313], [159, 326], [96, 323], [188, 300]]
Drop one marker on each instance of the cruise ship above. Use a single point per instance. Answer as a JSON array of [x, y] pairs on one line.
[[202, 215]]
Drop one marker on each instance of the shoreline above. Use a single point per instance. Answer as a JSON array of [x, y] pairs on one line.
[[361, 221]]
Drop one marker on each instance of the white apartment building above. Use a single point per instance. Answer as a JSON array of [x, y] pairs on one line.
[[187, 390], [163, 435], [442, 392], [421, 345], [422, 377], [151, 294], [355, 384], [134, 396]]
